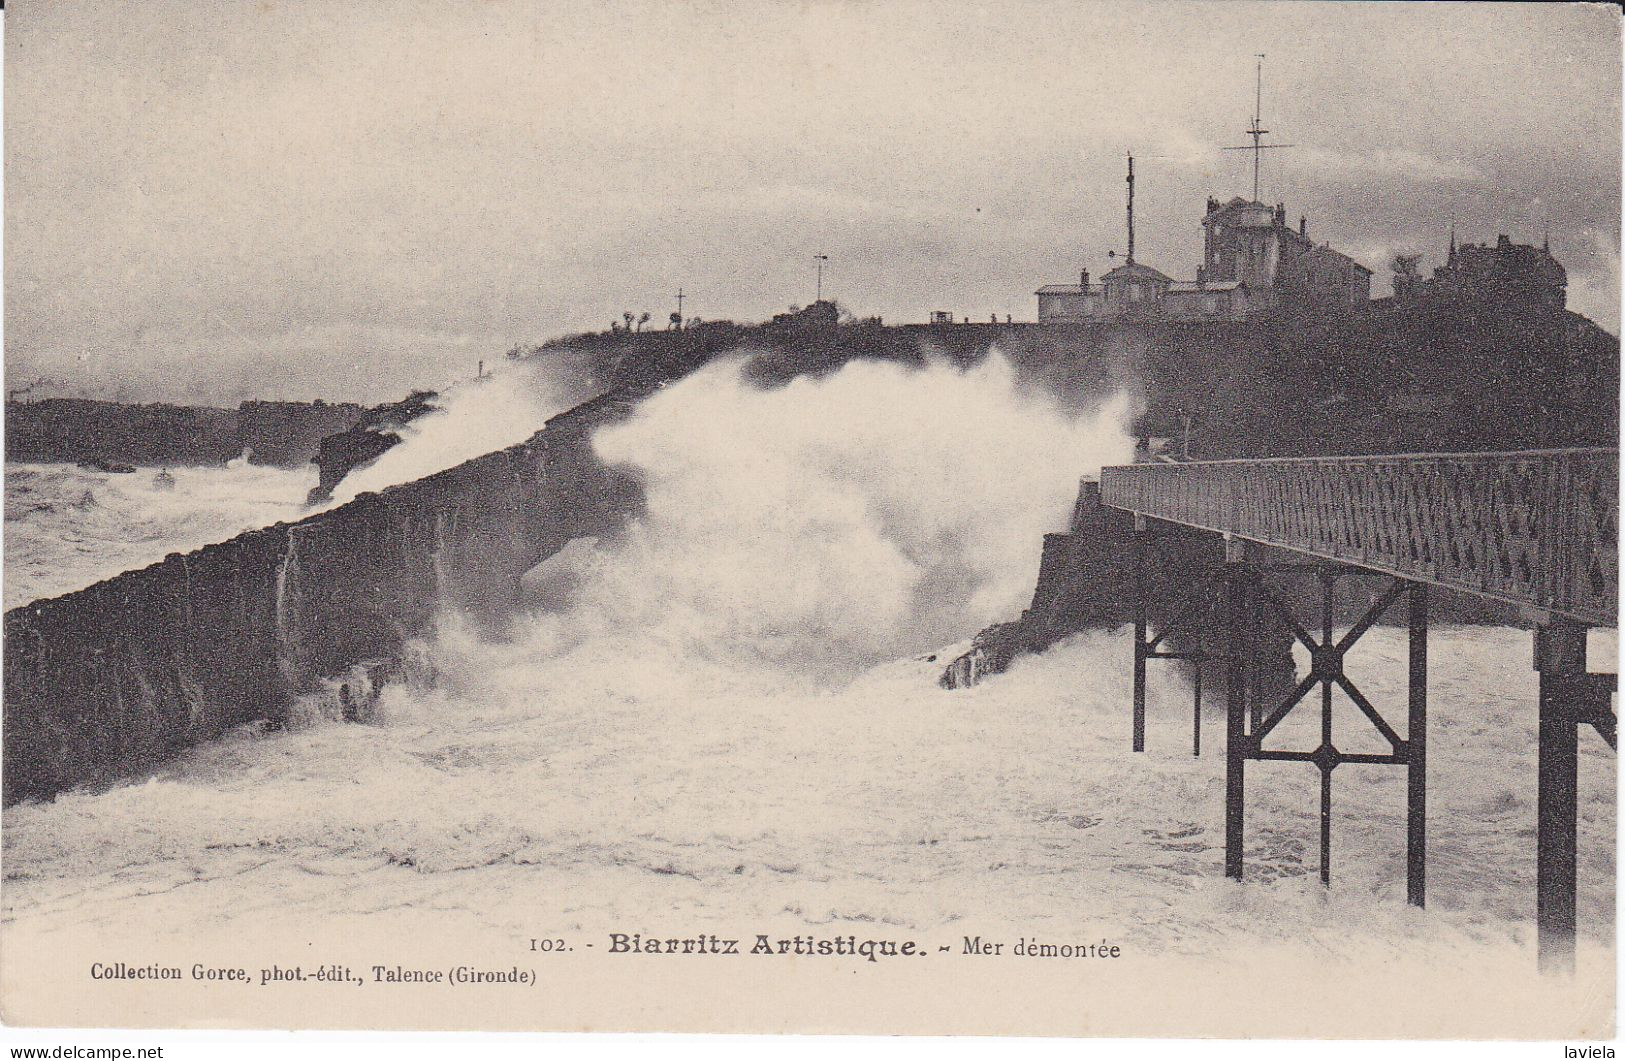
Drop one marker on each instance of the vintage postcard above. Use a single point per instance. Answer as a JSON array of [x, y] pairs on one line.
[[1017, 518]]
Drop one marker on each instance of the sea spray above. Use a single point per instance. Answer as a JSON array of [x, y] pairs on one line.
[[826, 525], [473, 418]]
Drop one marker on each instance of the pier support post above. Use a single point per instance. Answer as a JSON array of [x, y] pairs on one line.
[[1416, 750], [1196, 703], [1235, 723], [1560, 657], [1326, 757], [1141, 613], [1255, 677]]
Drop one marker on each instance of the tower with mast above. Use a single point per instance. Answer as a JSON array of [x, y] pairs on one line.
[[1253, 262]]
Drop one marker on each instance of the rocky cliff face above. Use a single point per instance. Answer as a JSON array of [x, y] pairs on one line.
[[113, 679], [1086, 580], [369, 436], [72, 429], [1425, 375], [287, 434]]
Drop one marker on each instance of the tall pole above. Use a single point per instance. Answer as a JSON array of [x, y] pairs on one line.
[[821, 259], [1257, 130], [1131, 208], [1258, 118]]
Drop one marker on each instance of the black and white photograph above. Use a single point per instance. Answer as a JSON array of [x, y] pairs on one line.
[[824, 517]]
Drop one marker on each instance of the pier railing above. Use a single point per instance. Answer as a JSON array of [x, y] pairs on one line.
[[1539, 528]]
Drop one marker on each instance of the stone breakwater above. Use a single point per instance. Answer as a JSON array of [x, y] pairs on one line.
[[114, 679]]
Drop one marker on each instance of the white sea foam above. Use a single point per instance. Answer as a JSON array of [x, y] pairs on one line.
[[66, 527], [829, 524]]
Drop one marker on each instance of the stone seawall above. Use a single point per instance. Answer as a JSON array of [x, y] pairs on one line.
[[115, 678]]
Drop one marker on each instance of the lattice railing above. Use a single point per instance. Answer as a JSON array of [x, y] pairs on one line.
[[1537, 527]]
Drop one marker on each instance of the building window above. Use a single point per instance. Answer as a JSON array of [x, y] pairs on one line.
[[1211, 304], [1134, 292]]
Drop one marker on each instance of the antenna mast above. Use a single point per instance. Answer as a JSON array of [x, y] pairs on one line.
[[1257, 130], [1131, 208], [1258, 119]]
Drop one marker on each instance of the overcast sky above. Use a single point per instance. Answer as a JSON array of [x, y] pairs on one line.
[[208, 200]]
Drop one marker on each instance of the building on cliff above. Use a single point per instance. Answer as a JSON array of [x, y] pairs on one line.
[[1516, 273], [1248, 243], [1252, 262]]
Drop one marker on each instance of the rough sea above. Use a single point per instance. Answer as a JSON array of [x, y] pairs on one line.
[[729, 715]]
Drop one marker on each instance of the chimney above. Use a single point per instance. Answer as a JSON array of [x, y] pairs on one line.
[[1303, 225], [1083, 281], [1212, 204], [1502, 242]]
